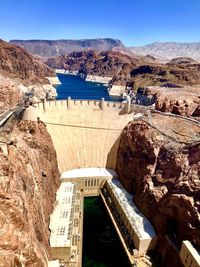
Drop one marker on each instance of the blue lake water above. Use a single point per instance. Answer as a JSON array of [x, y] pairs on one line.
[[77, 88]]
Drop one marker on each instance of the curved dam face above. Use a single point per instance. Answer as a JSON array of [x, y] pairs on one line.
[[85, 133]]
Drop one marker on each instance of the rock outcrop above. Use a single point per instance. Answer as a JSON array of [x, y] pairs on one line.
[[15, 62], [177, 100], [182, 61], [10, 93], [159, 162], [160, 74], [29, 179]]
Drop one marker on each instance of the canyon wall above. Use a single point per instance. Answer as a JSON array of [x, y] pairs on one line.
[[159, 162], [29, 178]]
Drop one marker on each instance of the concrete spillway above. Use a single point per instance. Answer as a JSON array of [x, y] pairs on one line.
[[85, 133]]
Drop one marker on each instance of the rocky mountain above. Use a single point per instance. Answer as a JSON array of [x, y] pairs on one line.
[[29, 180], [48, 48], [169, 50], [163, 51], [159, 163], [106, 63], [17, 63], [156, 74], [152, 74]]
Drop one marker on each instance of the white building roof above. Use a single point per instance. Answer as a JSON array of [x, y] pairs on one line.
[[62, 216], [141, 225], [89, 172], [193, 251], [54, 263]]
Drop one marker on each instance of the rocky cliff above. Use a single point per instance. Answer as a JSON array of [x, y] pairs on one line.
[[183, 100], [29, 179], [10, 93], [49, 48], [159, 162], [16, 62]]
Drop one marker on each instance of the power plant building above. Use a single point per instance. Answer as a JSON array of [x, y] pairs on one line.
[[136, 229]]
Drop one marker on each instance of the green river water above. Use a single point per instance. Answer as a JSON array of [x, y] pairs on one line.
[[101, 245]]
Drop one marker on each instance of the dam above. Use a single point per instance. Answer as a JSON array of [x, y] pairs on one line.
[[86, 133], [86, 136]]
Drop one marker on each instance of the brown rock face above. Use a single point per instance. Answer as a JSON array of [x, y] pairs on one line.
[[92, 62], [178, 103], [15, 62], [29, 179], [177, 100], [156, 74], [10, 94], [159, 162]]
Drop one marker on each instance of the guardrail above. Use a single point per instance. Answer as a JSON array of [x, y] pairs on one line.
[[5, 116], [8, 113]]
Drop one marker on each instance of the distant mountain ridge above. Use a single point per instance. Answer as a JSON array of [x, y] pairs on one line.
[[50, 48], [162, 50], [169, 50]]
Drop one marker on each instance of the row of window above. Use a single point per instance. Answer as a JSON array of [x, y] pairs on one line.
[[189, 262], [91, 182]]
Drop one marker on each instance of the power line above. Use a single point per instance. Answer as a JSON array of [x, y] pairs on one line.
[[79, 126]]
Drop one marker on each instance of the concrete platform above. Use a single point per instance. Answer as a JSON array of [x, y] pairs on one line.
[[89, 172]]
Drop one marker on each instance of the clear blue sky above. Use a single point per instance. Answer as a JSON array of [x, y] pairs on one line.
[[135, 22]]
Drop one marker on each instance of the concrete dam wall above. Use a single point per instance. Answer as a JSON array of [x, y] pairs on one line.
[[85, 133]]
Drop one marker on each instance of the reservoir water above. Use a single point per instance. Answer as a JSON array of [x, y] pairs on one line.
[[77, 88], [101, 245]]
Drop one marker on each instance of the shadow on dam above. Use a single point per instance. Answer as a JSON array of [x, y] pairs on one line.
[[101, 245]]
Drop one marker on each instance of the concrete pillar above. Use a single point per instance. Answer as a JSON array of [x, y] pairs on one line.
[[44, 104], [102, 103], [69, 102], [128, 106]]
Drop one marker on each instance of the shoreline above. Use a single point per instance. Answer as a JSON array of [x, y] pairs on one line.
[[113, 90]]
